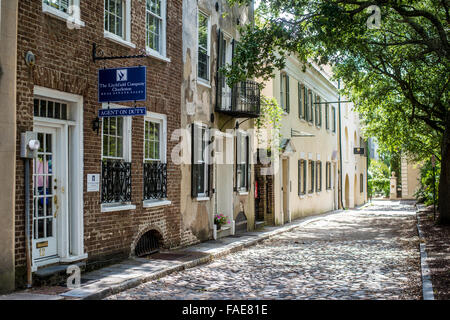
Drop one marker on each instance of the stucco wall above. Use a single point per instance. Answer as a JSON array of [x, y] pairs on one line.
[[319, 147], [8, 61], [198, 103]]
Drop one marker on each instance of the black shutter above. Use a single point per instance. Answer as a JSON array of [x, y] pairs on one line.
[[287, 94], [320, 112], [299, 177], [305, 102], [304, 176], [219, 76], [247, 141]]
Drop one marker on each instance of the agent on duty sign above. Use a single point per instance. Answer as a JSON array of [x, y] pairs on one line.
[[122, 84]]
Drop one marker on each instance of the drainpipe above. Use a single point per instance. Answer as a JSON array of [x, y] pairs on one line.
[[27, 220], [340, 145]]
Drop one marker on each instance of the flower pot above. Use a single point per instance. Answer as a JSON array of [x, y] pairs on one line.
[[218, 226]]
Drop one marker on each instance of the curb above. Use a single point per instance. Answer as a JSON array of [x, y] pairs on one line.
[[427, 286], [132, 283]]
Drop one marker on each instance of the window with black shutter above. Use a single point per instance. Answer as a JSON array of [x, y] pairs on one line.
[[312, 177], [301, 114], [200, 169], [301, 177], [242, 161]]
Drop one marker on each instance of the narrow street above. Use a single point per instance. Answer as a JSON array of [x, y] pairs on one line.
[[368, 253]]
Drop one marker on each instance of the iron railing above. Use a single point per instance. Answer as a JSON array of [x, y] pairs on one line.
[[243, 100], [155, 180], [116, 181]]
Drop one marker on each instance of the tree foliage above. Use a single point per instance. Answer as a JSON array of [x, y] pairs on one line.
[[379, 179], [397, 75]]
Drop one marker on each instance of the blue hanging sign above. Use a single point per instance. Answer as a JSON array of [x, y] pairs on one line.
[[122, 84], [122, 112]]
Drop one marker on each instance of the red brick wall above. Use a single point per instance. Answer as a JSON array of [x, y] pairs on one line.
[[64, 62]]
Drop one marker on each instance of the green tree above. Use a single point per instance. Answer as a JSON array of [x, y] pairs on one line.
[[379, 178], [397, 75]]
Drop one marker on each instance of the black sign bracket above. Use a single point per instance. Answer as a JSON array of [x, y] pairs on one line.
[[96, 56]]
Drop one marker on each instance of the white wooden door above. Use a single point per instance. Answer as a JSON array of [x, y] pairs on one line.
[[45, 196]]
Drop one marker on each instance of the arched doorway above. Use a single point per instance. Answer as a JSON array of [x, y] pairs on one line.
[[355, 192], [347, 192]]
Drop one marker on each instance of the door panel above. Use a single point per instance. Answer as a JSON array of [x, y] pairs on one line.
[[45, 198]]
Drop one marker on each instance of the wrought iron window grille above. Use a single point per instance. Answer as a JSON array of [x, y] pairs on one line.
[[155, 181], [116, 181]]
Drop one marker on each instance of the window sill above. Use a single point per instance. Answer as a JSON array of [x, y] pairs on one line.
[[118, 40], [158, 203], [117, 207], [202, 199], [243, 193], [77, 23], [156, 55], [301, 196], [203, 83]]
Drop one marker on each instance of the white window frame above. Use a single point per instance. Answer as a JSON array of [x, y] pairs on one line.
[[241, 136], [73, 16], [162, 120], [126, 147], [204, 195], [125, 40], [208, 49], [162, 54]]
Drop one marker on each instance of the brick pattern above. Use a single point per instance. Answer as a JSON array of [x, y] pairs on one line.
[[64, 62]]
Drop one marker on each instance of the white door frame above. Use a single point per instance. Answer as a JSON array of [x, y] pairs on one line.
[[70, 227]]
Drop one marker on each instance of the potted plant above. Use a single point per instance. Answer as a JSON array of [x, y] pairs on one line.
[[220, 219]]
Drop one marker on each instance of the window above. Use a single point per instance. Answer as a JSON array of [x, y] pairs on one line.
[[361, 183], [319, 176], [200, 168], [50, 109], [61, 5], [115, 17], [334, 119], [328, 175], [112, 135], [66, 10], [118, 21], [155, 37], [242, 161], [327, 116], [155, 167], [310, 105], [301, 113], [311, 175], [203, 46], [301, 177], [305, 103], [116, 160], [318, 111], [284, 92]]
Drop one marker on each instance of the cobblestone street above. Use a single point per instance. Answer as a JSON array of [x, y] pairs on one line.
[[368, 253]]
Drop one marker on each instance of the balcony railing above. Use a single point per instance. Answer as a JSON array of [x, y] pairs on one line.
[[243, 100], [155, 181], [116, 181]]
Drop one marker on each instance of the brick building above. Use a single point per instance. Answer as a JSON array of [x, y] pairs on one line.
[[57, 97]]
